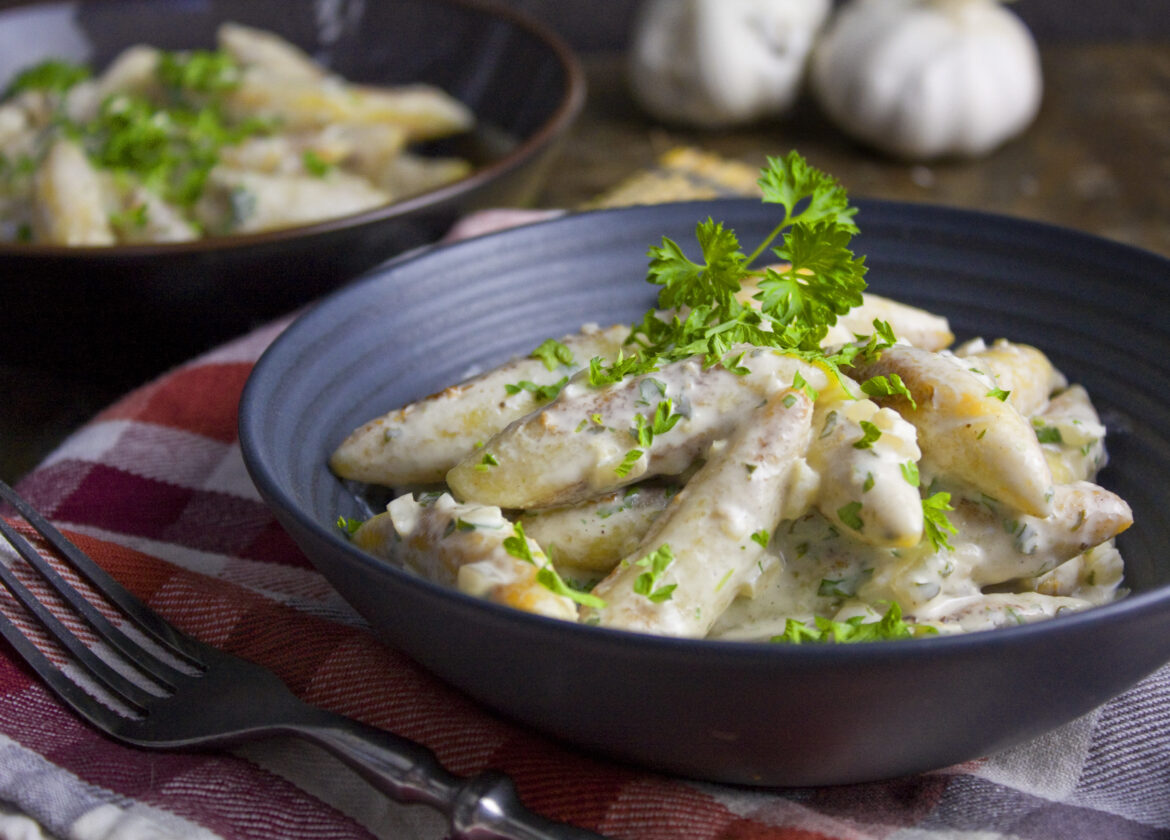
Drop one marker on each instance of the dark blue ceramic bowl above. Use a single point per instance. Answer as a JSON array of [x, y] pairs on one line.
[[134, 309], [734, 712]]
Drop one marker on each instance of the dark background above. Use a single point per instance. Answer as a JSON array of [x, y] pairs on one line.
[[604, 24], [601, 25]]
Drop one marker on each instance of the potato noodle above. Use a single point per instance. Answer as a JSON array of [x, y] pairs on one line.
[[704, 502], [171, 147]]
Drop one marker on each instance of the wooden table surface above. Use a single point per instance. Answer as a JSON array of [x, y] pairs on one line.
[[1096, 159]]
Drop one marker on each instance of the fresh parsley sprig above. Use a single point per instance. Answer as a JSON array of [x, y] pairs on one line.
[[700, 309], [796, 304]]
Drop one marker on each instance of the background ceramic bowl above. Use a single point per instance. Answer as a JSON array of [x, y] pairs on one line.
[[736, 712], [141, 307]]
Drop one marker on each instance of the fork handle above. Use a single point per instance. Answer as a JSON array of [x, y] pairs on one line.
[[477, 807]]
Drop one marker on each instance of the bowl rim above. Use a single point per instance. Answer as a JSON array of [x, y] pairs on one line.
[[569, 107], [279, 497]]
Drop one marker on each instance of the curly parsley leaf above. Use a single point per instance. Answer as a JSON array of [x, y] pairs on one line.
[[686, 283], [791, 182], [796, 305], [822, 281]]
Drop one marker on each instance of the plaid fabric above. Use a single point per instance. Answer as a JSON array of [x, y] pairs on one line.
[[155, 490]]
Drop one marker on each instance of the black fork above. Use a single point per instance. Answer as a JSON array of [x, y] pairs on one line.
[[171, 691]]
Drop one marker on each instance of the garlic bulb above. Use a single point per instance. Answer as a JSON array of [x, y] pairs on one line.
[[718, 63], [922, 79]]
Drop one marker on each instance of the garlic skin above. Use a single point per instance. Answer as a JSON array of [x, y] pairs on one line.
[[721, 63], [923, 79]]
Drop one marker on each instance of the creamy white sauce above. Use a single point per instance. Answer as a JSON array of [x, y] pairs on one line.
[[838, 533]]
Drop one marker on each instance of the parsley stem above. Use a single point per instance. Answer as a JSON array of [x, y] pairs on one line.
[[768, 241]]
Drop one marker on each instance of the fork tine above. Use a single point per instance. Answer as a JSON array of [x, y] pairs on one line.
[[142, 659], [70, 692], [125, 690], [148, 621]]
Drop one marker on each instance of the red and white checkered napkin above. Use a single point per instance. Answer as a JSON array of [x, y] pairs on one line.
[[155, 489]]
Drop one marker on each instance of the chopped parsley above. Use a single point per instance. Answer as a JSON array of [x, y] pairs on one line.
[[830, 424], [665, 417], [553, 353], [856, 629], [172, 149], [132, 218], [53, 76], [887, 386], [487, 462], [663, 420], [869, 435], [198, 71], [169, 145], [348, 525], [642, 432], [1048, 434], [315, 165], [936, 525], [650, 388], [850, 515], [627, 464], [517, 546], [800, 384], [655, 563], [544, 393]]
